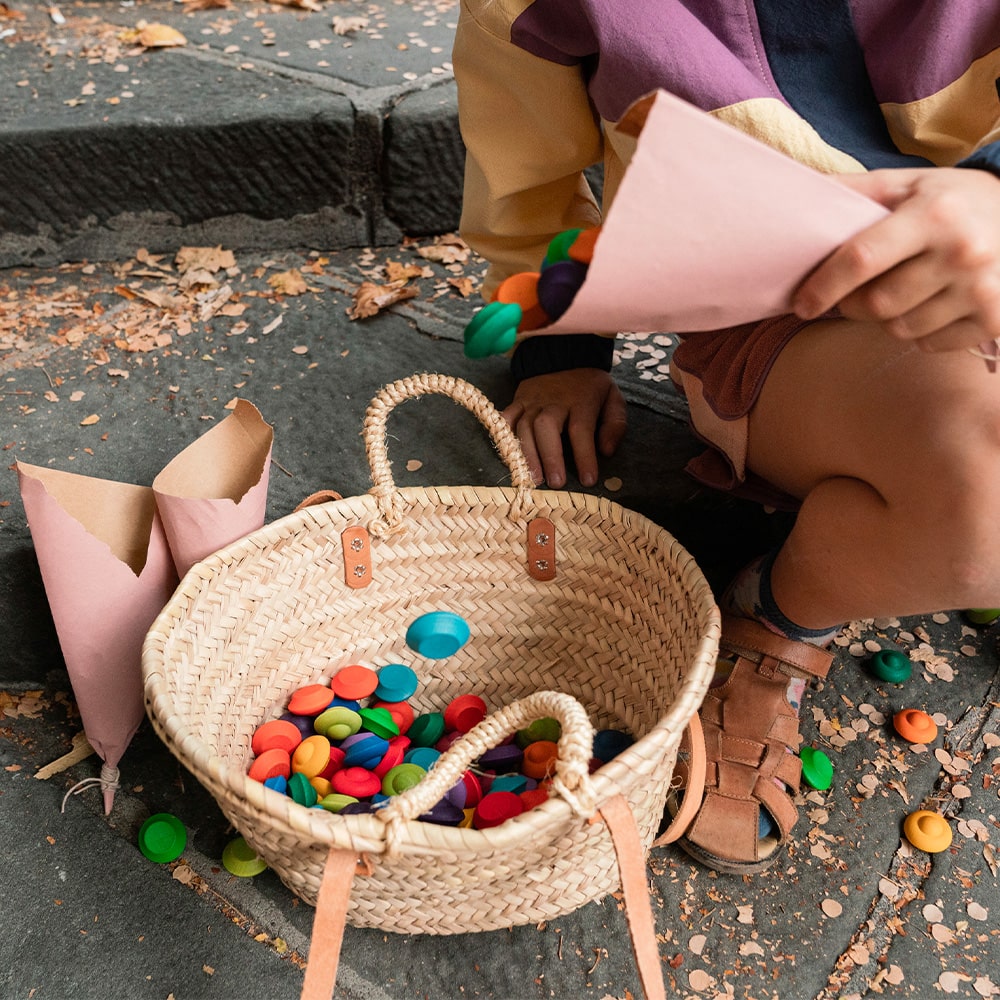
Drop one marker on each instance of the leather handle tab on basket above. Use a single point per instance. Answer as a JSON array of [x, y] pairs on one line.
[[632, 867], [328, 924], [390, 503]]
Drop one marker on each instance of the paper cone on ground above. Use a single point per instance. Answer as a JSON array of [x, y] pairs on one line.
[[709, 228], [107, 574], [215, 491]]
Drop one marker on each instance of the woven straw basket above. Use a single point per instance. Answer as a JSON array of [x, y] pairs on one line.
[[613, 615]]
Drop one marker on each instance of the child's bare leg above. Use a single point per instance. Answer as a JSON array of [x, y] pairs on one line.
[[896, 456]]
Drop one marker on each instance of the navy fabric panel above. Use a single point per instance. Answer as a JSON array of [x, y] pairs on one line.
[[819, 67], [987, 158]]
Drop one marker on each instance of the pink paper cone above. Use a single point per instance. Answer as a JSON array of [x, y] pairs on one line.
[[107, 573], [215, 491], [709, 228]]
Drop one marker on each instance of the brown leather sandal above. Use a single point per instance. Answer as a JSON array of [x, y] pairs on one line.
[[749, 726]]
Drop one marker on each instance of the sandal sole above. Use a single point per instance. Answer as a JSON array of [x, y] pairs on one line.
[[725, 865]]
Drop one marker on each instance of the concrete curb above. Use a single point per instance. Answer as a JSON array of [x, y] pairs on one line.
[[212, 145]]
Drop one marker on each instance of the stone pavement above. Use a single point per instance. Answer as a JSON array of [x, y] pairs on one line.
[[852, 910]]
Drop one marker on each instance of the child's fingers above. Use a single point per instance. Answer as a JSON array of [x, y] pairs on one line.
[[613, 422], [546, 432], [527, 440], [937, 314], [888, 187], [521, 426], [963, 334], [899, 293], [861, 259], [581, 440]]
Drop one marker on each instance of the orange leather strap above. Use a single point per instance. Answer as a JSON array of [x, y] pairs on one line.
[[328, 924], [632, 866], [694, 790], [338, 875], [322, 496]]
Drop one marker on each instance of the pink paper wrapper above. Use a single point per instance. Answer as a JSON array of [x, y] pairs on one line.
[[110, 555], [107, 574], [709, 228], [215, 491]]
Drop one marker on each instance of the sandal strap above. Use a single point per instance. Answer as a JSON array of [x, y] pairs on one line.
[[753, 640], [747, 740]]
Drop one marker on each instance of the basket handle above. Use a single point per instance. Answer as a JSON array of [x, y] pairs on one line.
[[571, 780], [390, 503]]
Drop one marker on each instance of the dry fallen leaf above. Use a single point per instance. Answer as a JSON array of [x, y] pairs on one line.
[[370, 299], [699, 980], [448, 249], [345, 25], [288, 282], [394, 271], [87, 421], [209, 259], [158, 36]]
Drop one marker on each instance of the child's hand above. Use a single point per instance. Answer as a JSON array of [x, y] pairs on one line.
[[586, 403], [930, 271]]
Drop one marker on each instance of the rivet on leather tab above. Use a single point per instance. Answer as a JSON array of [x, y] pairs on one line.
[[541, 549], [357, 557]]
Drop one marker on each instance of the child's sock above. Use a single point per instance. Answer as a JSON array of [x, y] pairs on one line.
[[750, 596]]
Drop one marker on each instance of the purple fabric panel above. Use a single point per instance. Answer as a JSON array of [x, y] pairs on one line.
[[705, 54], [914, 48]]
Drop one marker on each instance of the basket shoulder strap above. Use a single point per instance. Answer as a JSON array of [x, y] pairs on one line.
[[632, 867], [328, 924]]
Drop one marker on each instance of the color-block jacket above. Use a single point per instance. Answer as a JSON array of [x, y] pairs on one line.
[[841, 85]]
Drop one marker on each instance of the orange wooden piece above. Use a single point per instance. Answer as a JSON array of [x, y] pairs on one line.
[[271, 764], [401, 712], [522, 289], [277, 733], [540, 759], [354, 682], [915, 726], [582, 248], [310, 700]]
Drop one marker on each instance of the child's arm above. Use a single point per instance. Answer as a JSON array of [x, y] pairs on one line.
[[530, 132], [930, 271]]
